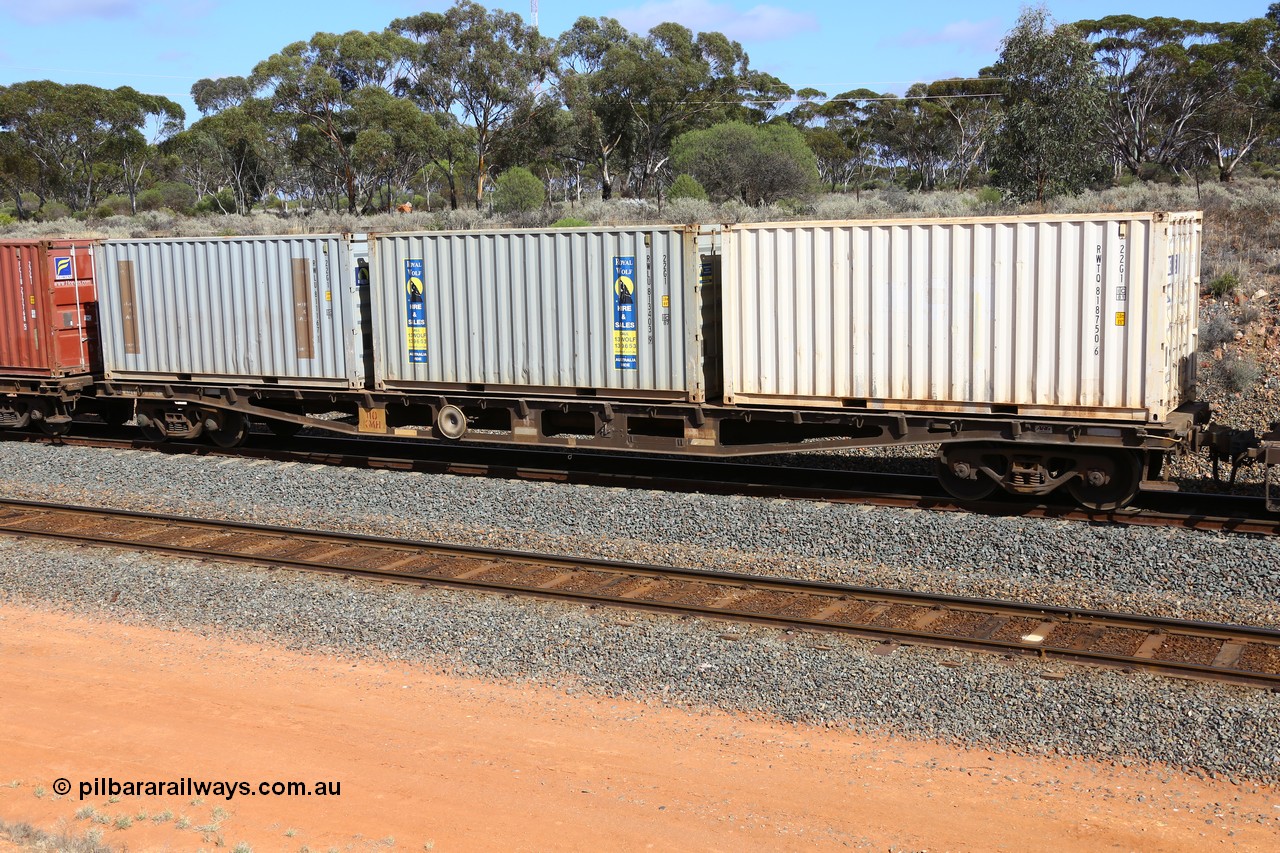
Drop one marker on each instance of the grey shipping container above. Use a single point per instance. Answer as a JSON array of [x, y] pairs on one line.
[[1090, 315], [250, 310], [561, 311]]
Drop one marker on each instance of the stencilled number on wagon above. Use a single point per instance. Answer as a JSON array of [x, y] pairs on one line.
[[1097, 303]]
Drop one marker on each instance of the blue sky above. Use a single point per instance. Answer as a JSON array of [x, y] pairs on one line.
[[831, 45]]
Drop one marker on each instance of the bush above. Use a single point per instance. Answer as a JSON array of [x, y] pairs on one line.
[[1224, 285], [168, 194], [988, 197], [518, 190], [1238, 373], [570, 222], [54, 210], [686, 186], [1216, 329], [223, 202]]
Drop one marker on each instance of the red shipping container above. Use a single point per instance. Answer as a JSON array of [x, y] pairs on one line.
[[47, 309]]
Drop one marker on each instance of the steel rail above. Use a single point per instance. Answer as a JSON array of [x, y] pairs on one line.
[[1242, 654]]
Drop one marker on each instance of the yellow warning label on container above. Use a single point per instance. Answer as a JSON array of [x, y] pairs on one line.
[[666, 301], [328, 296], [1119, 318], [416, 338]]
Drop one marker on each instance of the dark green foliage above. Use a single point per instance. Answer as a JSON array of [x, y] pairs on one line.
[[1224, 285], [170, 195], [518, 191], [756, 165], [570, 222], [686, 186], [1047, 143]]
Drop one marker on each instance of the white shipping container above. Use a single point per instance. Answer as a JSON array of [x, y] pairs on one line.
[[253, 310], [559, 311], [1089, 315]]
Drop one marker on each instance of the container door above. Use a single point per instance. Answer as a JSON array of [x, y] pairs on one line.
[[71, 307], [20, 350]]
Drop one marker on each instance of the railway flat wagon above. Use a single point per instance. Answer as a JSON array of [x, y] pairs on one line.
[[608, 312], [1088, 317], [48, 344], [257, 311]]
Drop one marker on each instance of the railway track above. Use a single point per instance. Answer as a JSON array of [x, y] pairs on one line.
[[1214, 512], [1240, 654]]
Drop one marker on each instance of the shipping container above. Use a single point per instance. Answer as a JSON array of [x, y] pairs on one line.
[[608, 310], [254, 310], [47, 316], [1091, 315]]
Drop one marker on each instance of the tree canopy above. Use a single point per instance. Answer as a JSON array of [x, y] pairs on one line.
[[439, 104]]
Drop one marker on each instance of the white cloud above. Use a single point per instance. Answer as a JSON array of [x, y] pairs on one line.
[[760, 23], [969, 36], [61, 11]]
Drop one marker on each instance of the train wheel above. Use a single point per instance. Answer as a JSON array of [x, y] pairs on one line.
[[151, 425], [49, 420], [1108, 480], [229, 429], [54, 428], [958, 469]]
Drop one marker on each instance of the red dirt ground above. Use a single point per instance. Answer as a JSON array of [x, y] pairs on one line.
[[428, 762]]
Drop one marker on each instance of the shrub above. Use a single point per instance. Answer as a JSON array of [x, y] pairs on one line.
[[570, 222], [54, 210], [1216, 329], [1238, 373], [1224, 285], [518, 190], [988, 197], [686, 186], [168, 194]]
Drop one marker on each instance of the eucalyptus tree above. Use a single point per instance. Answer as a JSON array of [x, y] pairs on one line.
[[682, 83], [316, 86], [594, 81], [231, 149], [137, 153], [847, 115], [478, 65], [1153, 78], [1239, 73], [1047, 143], [76, 138]]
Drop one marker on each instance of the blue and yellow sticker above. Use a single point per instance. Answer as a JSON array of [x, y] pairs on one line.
[[415, 302], [63, 269], [625, 350]]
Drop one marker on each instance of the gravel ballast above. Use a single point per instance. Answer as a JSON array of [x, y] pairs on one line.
[[1010, 705], [1217, 577]]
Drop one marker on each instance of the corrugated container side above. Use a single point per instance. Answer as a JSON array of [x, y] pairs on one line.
[[242, 309], [47, 296], [539, 311], [1088, 316]]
